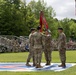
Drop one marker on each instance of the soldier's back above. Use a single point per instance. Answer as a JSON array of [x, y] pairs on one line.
[[37, 40]]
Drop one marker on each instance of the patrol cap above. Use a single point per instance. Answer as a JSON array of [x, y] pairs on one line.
[[38, 28], [60, 28], [32, 29]]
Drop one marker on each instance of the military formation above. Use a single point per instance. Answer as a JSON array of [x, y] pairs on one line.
[[12, 44], [40, 43]]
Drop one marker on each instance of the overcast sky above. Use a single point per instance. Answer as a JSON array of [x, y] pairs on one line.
[[63, 8]]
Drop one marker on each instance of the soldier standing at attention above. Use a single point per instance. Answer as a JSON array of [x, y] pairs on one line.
[[62, 47], [31, 51], [15, 44], [47, 47], [37, 45]]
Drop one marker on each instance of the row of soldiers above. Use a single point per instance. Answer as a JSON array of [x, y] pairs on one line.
[[40, 43], [14, 44]]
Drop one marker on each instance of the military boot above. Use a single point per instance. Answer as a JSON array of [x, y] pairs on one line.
[[34, 64], [63, 65], [27, 64], [38, 66], [48, 63]]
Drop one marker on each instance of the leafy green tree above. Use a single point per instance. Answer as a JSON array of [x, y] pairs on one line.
[[11, 22], [33, 14], [16, 18], [73, 29], [66, 26]]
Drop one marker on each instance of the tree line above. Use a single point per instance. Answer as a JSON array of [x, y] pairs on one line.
[[17, 17]]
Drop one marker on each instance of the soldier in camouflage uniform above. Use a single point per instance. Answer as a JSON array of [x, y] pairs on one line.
[[47, 47], [62, 47], [15, 44], [37, 45], [31, 51]]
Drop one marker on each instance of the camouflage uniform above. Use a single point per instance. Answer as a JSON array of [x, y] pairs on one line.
[[62, 47], [37, 45], [47, 48], [31, 51], [16, 47]]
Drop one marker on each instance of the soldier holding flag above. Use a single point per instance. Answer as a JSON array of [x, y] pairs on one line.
[[47, 40], [47, 47]]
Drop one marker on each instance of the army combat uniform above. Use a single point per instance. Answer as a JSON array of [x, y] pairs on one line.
[[47, 48], [31, 51], [62, 47], [37, 46], [16, 47]]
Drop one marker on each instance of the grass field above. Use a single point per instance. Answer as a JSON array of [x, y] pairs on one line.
[[21, 57]]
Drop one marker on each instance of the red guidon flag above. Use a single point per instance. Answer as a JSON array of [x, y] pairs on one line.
[[43, 22]]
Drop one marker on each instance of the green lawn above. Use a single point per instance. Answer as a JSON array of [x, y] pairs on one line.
[[21, 57]]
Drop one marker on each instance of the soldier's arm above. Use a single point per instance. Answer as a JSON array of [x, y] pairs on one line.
[[32, 40], [60, 38], [29, 39], [51, 40], [43, 41]]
